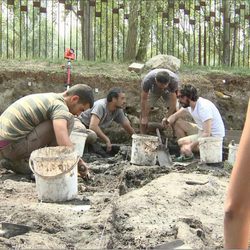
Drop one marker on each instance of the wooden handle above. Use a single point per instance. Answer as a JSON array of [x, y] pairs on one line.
[[159, 136]]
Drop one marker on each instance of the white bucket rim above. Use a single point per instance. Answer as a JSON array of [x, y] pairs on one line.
[[210, 138], [31, 164], [79, 133], [143, 137]]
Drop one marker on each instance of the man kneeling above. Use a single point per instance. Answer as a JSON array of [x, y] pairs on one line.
[[205, 114]]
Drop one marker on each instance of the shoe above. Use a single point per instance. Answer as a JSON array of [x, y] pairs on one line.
[[184, 158], [6, 163]]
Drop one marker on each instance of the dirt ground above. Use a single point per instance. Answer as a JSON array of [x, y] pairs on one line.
[[123, 205]]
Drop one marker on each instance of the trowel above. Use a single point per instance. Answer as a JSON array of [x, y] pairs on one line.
[[163, 155]]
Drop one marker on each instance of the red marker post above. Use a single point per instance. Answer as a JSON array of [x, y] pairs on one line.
[[70, 56]]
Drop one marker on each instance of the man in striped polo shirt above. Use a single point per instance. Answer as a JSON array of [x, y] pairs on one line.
[[40, 120]]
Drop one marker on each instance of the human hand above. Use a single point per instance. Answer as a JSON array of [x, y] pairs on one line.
[[144, 120], [108, 146], [171, 119], [83, 169], [165, 122]]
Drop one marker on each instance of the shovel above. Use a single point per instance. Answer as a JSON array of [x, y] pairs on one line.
[[164, 157]]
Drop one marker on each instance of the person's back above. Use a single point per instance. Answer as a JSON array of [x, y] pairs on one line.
[[40, 120], [148, 82], [20, 118]]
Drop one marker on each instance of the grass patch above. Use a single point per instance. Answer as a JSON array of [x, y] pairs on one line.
[[204, 70]]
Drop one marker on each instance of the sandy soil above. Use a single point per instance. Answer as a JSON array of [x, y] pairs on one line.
[[123, 206]]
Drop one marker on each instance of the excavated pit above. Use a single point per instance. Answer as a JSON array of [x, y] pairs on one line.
[[124, 205]]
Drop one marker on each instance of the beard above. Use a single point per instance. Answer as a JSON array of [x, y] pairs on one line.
[[185, 104]]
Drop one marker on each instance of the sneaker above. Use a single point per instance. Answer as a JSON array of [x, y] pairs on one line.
[[184, 158]]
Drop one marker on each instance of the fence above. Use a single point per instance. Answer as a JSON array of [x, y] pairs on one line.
[[210, 32]]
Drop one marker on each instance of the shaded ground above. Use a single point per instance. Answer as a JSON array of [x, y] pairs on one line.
[[122, 206]]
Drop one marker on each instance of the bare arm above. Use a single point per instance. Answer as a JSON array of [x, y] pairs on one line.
[[127, 126], [94, 125], [172, 107], [144, 104], [61, 132], [237, 205], [172, 118], [63, 139]]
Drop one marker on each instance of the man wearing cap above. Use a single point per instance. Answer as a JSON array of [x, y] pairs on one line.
[[158, 83]]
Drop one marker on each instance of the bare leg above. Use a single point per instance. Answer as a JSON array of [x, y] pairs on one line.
[[183, 128]]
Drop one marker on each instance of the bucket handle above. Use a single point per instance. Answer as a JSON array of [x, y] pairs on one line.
[[31, 165], [151, 148]]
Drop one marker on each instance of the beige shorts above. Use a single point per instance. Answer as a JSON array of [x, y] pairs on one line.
[[193, 133], [153, 98]]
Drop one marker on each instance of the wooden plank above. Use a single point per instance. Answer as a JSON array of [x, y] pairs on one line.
[[37, 4], [164, 15], [98, 14], [68, 7], [43, 10], [10, 2], [136, 67], [115, 10], [24, 8]]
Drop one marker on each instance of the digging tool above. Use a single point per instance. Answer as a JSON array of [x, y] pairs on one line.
[[164, 157], [175, 244]]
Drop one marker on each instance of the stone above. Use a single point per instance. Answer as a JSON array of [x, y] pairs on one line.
[[164, 61], [136, 67]]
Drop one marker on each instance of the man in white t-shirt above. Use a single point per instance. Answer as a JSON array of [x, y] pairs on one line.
[[205, 114]]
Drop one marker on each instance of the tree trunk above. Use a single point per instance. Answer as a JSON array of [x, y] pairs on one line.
[[226, 34], [87, 30], [130, 50], [234, 45], [145, 31], [1, 30]]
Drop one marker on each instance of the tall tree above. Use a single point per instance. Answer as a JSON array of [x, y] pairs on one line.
[[1, 29], [226, 33], [87, 30], [130, 50], [145, 30], [235, 34]]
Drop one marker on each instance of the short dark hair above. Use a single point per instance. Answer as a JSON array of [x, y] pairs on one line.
[[162, 77], [84, 92], [114, 93], [189, 91]]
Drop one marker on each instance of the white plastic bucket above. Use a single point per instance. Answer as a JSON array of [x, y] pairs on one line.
[[144, 150], [55, 170], [232, 152], [78, 139], [210, 149]]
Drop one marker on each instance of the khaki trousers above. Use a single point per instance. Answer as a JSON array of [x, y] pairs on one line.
[[18, 152]]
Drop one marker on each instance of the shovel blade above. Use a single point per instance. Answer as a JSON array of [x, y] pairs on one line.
[[164, 157]]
